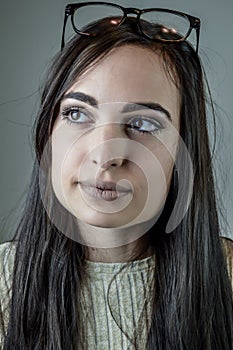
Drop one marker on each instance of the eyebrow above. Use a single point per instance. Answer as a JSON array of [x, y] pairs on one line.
[[136, 106], [129, 107], [80, 96]]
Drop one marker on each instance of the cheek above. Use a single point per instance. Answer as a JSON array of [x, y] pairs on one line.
[[167, 161], [164, 152], [67, 155]]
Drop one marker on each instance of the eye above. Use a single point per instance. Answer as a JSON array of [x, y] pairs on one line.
[[144, 125], [76, 115]]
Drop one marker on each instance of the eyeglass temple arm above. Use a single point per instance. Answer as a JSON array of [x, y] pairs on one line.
[[197, 38], [67, 14], [197, 26]]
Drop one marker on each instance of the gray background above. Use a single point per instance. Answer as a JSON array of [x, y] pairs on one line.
[[30, 36]]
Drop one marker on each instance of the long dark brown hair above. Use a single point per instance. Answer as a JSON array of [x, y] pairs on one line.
[[193, 296]]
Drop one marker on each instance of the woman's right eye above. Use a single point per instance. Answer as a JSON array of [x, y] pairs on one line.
[[75, 115]]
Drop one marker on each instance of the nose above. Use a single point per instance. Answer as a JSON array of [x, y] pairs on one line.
[[112, 162], [108, 146]]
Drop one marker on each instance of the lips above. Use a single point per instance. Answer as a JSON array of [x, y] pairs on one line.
[[108, 191]]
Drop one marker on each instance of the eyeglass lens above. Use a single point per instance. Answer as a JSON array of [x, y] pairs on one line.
[[172, 24], [91, 13]]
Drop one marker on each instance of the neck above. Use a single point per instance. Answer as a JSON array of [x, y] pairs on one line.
[[133, 251], [115, 244]]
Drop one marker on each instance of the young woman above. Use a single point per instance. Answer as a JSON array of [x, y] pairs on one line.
[[118, 246]]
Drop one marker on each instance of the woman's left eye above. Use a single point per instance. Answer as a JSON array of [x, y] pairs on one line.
[[145, 125]]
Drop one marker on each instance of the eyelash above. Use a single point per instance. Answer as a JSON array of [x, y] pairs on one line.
[[158, 125], [65, 115]]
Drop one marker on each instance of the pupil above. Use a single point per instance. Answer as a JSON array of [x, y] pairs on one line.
[[138, 123], [75, 115]]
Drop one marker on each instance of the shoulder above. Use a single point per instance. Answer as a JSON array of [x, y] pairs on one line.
[[7, 249], [7, 254], [227, 244]]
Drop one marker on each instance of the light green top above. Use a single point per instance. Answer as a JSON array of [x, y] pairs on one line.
[[115, 300], [6, 269]]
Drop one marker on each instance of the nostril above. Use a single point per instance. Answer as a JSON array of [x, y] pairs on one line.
[[117, 162], [111, 163]]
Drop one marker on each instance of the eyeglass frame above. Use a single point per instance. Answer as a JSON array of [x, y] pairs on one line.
[[194, 22]]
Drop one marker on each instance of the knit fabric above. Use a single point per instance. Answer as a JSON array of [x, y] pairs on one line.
[[115, 303]]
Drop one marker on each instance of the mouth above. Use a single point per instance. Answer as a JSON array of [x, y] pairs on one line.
[[108, 191]]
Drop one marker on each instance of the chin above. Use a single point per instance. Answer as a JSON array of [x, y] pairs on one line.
[[105, 221]]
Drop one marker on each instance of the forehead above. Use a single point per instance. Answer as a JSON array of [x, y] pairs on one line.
[[130, 74]]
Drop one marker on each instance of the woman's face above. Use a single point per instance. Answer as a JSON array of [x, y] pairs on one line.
[[115, 140]]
